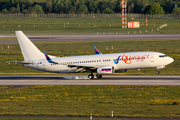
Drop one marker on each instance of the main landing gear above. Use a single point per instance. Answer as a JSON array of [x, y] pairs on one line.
[[98, 76], [91, 76]]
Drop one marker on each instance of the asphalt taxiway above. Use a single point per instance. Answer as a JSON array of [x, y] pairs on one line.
[[91, 37], [106, 80]]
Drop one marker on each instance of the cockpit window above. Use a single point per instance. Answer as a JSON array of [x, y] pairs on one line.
[[161, 56]]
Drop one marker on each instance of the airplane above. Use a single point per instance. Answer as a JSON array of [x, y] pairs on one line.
[[101, 64]]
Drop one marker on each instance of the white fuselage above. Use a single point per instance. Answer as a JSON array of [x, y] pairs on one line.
[[120, 61]]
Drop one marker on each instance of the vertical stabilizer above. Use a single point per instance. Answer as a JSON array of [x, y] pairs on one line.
[[29, 50]]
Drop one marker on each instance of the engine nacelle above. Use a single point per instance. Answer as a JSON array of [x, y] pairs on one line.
[[105, 70], [121, 71]]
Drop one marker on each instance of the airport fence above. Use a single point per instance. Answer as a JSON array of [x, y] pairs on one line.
[[117, 15]]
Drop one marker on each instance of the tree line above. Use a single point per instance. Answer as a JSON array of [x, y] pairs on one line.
[[89, 6]]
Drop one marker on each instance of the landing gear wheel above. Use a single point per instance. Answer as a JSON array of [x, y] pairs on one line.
[[91, 76], [98, 76], [157, 72]]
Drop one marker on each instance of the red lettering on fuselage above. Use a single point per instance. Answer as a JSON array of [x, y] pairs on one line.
[[128, 59]]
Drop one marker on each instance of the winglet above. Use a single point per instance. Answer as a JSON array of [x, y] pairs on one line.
[[48, 58], [96, 51]]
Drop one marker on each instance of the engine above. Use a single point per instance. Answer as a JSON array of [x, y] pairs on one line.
[[105, 70], [121, 71]]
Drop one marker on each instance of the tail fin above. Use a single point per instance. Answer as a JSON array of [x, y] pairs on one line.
[[29, 50]]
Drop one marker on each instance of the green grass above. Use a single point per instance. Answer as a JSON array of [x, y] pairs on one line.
[[125, 101], [50, 119], [60, 118], [169, 47], [87, 26]]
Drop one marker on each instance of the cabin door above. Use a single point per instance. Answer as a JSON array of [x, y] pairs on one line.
[[152, 58]]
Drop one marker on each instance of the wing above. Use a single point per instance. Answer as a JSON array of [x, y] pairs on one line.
[[79, 67], [97, 51]]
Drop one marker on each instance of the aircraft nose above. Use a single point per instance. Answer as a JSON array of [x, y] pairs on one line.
[[170, 60]]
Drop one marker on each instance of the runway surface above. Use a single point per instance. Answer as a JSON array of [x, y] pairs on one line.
[[76, 117], [100, 37], [106, 80]]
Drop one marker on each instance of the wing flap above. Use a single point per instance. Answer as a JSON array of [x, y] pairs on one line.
[[82, 66], [97, 51]]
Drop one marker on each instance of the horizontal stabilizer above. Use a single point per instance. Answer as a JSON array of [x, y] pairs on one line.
[[20, 62]]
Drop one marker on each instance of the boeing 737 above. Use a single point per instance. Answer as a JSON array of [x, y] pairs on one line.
[[101, 64]]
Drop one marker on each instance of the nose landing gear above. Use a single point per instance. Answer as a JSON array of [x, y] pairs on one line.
[[157, 72]]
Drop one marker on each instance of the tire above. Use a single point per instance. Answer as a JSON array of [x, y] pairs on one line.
[[91, 76], [99, 76]]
